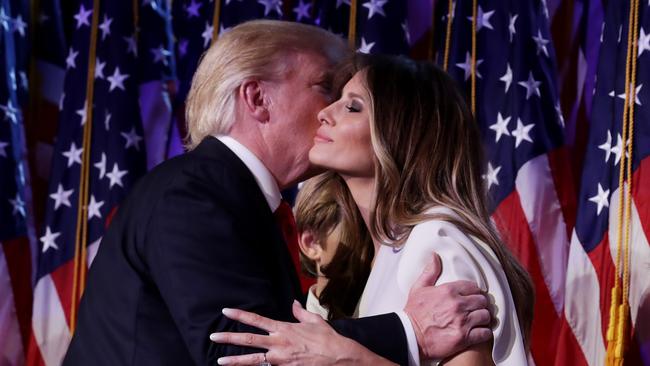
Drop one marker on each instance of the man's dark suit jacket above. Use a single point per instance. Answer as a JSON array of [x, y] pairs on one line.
[[194, 236]]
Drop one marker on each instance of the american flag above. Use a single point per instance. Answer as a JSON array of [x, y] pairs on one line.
[[132, 50], [593, 252], [518, 111], [16, 220]]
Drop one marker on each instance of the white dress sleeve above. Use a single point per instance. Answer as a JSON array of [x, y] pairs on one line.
[[464, 258]]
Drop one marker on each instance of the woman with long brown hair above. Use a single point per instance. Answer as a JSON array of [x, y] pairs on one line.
[[403, 139]]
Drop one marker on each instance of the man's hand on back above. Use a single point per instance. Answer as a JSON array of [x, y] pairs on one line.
[[446, 318]]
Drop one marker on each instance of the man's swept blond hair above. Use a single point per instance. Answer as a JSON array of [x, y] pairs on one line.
[[251, 50]]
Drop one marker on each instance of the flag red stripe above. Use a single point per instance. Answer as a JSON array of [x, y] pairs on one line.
[[34, 357], [62, 278], [641, 194], [511, 222], [19, 265]]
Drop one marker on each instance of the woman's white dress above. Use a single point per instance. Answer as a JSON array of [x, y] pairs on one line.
[[463, 258]]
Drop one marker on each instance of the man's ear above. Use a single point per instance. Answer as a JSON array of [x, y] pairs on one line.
[[309, 246], [253, 96]]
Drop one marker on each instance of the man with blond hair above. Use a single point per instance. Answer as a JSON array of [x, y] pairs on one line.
[[198, 233]]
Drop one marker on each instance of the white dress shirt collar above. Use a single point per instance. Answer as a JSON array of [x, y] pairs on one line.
[[263, 176]]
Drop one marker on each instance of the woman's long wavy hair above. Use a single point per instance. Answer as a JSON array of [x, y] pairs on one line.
[[323, 204], [428, 153]]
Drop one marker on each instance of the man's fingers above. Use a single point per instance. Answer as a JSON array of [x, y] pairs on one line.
[[475, 302], [478, 317], [430, 273], [242, 339], [252, 359], [465, 288], [252, 319], [478, 335]]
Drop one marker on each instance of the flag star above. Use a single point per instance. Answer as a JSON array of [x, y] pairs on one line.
[[42, 18], [483, 19], [3, 147], [23, 80], [12, 79], [93, 208], [636, 94], [491, 175], [271, 5], [73, 155], [132, 45], [18, 206], [160, 54], [101, 165], [644, 42], [20, 25], [601, 199], [365, 47], [182, 47], [61, 197], [107, 121], [21, 173], [618, 149], [531, 85], [522, 132], [407, 33], [602, 32], [341, 2], [152, 3], [105, 27], [11, 112], [501, 126], [511, 25], [82, 16], [207, 34], [545, 9], [99, 69], [117, 80], [541, 43], [507, 77], [82, 113], [4, 19], [302, 10], [193, 9], [467, 66], [48, 239], [560, 116], [375, 7], [115, 176], [132, 139], [607, 146], [223, 30], [70, 60]]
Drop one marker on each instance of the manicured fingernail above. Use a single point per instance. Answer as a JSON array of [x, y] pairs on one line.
[[215, 337], [223, 361], [228, 312]]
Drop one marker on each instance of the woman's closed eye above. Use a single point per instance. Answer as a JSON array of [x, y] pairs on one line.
[[353, 107]]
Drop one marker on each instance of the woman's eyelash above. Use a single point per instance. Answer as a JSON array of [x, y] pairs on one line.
[[351, 108]]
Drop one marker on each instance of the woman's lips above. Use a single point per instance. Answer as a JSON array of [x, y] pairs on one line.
[[322, 138]]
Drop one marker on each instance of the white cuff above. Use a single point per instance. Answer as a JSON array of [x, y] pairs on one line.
[[414, 352]]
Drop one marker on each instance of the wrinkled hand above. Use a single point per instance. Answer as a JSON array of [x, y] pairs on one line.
[[447, 318], [309, 342]]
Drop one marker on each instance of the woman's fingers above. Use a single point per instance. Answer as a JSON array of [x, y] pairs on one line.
[[252, 359], [242, 339], [252, 319], [303, 315]]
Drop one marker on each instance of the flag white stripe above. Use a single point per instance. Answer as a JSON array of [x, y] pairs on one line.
[[543, 212], [49, 323]]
